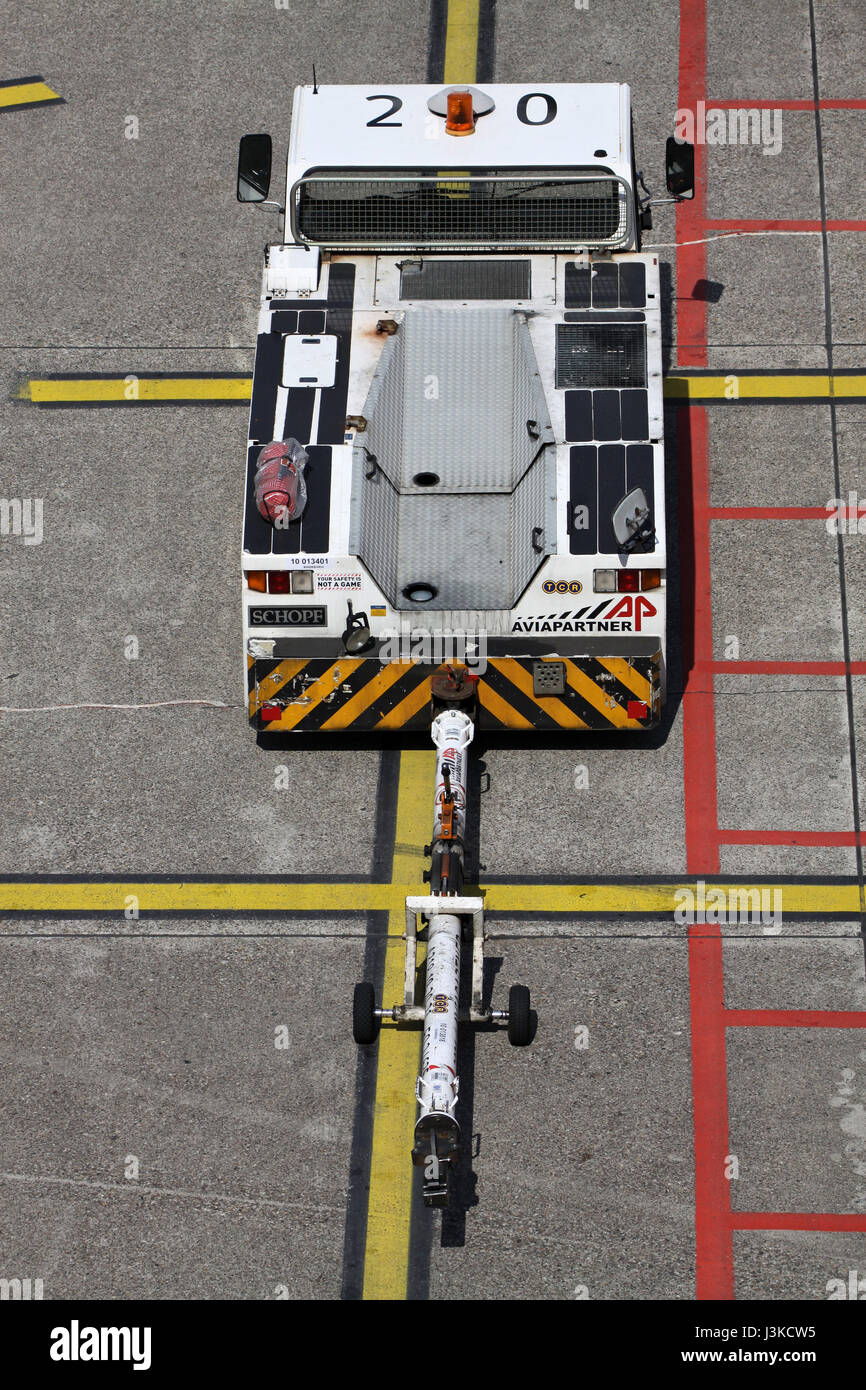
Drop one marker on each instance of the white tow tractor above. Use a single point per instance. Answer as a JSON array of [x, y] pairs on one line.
[[454, 509]]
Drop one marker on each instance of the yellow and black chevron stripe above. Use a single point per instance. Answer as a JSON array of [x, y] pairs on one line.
[[360, 693], [600, 693]]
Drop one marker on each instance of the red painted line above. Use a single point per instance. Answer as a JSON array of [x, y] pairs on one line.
[[788, 668], [824, 838], [787, 513], [732, 104], [714, 1260], [771, 513], [794, 1018], [763, 224], [826, 104], [782, 224], [798, 1221]]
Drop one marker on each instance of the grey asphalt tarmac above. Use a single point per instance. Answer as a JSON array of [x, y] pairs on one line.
[[158, 1044]]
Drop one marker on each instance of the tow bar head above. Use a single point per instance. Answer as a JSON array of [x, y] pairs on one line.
[[437, 1150]]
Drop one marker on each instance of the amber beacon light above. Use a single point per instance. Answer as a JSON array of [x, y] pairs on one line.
[[461, 118]]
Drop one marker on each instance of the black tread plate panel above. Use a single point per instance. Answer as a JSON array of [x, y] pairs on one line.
[[605, 415], [332, 410], [316, 520], [578, 415], [577, 286], [593, 316], [257, 532], [635, 414], [611, 490], [298, 304], [266, 379], [639, 472], [632, 285], [605, 285], [583, 478], [284, 321]]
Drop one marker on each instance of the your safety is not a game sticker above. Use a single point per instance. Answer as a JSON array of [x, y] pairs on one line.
[[337, 581]]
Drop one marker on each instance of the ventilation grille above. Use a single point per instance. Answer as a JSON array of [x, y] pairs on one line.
[[595, 354], [466, 280]]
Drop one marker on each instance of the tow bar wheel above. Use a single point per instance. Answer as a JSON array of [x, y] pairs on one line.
[[519, 1022], [365, 1023]]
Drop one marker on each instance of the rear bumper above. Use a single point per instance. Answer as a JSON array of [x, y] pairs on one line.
[[602, 691]]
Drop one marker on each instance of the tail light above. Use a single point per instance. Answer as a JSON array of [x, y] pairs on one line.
[[280, 581], [625, 581]]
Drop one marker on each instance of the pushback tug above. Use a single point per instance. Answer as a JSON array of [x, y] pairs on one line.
[[455, 465]]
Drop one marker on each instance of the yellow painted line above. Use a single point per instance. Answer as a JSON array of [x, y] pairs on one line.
[[26, 93], [196, 897], [135, 390], [142, 390], [585, 899], [461, 41], [790, 385], [386, 1251], [589, 898]]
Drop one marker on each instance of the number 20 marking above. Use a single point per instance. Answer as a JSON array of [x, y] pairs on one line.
[[522, 109]]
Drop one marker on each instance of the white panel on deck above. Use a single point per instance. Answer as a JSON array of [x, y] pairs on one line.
[[310, 360]]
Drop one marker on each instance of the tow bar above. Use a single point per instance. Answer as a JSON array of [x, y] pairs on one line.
[[447, 916]]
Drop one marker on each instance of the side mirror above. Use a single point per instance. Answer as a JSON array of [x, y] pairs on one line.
[[680, 168], [254, 168], [631, 520]]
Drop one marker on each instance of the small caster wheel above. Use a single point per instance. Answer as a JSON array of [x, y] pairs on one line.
[[365, 1024], [519, 1025]]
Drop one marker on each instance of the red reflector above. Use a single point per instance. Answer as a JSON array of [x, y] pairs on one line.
[[270, 712], [279, 581], [628, 581], [637, 709]]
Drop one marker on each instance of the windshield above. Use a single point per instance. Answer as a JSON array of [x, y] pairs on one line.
[[426, 208]]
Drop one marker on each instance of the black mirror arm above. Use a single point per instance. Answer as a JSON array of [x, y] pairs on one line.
[[648, 199], [646, 534], [643, 200]]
